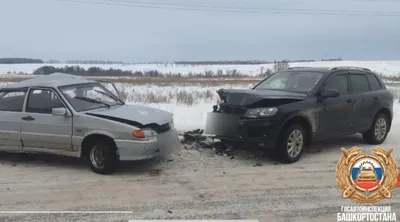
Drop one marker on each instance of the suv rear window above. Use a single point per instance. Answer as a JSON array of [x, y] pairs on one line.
[[373, 82], [359, 83]]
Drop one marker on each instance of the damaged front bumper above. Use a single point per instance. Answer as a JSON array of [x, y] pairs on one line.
[[163, 145], [231, 127]]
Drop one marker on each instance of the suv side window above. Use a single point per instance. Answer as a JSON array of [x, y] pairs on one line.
[[338, 82], [373, 82], [42, 101], [12, 101], [359, 83]]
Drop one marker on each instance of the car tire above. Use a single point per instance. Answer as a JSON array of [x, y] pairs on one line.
[[291, 153], [379, 130], [102, 156]]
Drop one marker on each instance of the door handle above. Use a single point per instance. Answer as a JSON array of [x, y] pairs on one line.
[[376, 97], [349, 101], [28, 118]]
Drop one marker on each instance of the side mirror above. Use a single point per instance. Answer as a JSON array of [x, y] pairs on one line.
[[330, 93], [59, 111]]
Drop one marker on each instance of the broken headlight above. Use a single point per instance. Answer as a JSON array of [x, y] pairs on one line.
[[261, 112], [144, 133]]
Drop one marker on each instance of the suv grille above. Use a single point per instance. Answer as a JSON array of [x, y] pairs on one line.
[[225, 108]]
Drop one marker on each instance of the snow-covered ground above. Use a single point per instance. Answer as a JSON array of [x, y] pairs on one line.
[[175, 94], [388, 68]]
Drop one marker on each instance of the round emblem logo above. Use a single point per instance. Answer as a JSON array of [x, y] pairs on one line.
[[367, 173], [367, 178]]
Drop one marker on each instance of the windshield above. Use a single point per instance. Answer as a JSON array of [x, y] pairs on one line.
[[89, 96], [298, 81], [110, 87]]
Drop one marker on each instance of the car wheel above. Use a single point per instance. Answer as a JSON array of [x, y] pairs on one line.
[[102, 157], [291, 146], [379, 130]]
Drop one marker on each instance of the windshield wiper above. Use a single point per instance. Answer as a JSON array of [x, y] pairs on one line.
[[91, 100], [106, 94]]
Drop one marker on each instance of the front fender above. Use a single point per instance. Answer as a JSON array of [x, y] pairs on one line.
[[310, 116]]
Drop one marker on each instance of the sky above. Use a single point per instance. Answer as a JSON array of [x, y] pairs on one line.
[[67, 30]]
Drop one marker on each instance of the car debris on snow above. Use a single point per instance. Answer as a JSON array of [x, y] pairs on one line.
[[257, 165], [155, 172], [195, 139]]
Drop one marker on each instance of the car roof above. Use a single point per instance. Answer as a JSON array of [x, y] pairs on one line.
[[329, 69], [52, 80]]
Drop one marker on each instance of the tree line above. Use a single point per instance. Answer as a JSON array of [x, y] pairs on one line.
[[19, 61], [97, 71]]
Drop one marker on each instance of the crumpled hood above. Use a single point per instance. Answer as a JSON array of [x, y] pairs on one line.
[[244, 97], [137, 113]]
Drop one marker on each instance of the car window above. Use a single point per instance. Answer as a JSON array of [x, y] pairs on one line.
[[89, 96], [42, 101], [359, 83], [12, 101], [338, 82], [110, 87], [300, 81], [373, 82]]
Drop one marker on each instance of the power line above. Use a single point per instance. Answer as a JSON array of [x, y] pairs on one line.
[[244, 8], [208, 8], [381, 1]]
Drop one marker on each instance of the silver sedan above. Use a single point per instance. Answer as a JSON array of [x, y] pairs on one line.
[[73, 116]]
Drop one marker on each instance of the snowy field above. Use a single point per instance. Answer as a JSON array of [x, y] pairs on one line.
[[388, 68]]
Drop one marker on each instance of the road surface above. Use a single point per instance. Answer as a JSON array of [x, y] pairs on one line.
[[197, 184]]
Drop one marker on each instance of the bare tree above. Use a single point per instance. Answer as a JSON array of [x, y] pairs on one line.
[[281, 65]]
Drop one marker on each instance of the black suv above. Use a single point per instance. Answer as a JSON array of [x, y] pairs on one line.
[[292, 108]]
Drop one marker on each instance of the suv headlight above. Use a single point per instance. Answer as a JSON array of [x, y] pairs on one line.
[[261, 112], [144, 133]]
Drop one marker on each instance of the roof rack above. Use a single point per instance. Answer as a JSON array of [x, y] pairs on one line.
[[350, 67]]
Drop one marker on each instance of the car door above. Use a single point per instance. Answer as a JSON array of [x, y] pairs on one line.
[[375, 93], [363, 101], [11, 106], [337, 113], [39, 127]]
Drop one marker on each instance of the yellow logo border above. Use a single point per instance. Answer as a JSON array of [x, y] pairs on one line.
[[389, 173]]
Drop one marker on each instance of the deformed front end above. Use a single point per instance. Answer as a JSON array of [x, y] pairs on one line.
[[250, 116]]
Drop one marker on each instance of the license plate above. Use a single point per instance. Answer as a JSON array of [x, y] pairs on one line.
[[222, 124]]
